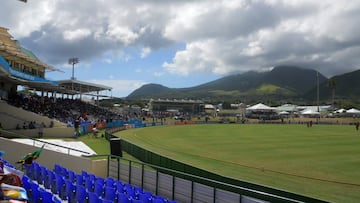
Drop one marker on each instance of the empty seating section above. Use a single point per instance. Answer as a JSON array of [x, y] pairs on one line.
[[64, 185]]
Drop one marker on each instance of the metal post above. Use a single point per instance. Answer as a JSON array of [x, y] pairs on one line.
[[192, 192], [157, 182], [118, 171], [108, 165], [142, 175], [129, 172], [173, 187], [214, 195]]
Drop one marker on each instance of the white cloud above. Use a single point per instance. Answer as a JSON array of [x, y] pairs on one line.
[[158, 74], [220, 37], [122, 34], [107, 60], [77, 34], [145, 52]]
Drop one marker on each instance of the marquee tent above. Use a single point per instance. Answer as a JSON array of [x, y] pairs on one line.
[[353, 111], [309, 112], [340, 111], [284, 113], [260, 106]]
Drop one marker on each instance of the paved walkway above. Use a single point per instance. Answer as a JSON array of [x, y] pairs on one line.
[[71, 144]]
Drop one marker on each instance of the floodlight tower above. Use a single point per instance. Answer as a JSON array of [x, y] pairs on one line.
[[73, 61]]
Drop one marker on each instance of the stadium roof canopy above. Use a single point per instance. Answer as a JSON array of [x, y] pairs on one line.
[[11, 50], [81, 87]]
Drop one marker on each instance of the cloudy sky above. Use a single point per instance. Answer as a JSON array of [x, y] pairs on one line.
[[182, 43]]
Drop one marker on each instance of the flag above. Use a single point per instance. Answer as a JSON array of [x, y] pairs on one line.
[[28, 159], [37, 153]]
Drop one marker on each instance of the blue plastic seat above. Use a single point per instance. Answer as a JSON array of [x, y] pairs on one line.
[[79, 179], [129, 190], [49, 179], [37, 173], [55, 199], [110, 193], [64, 172], [80, 194], [46, 196], [119, 186], [109, 182], [99, 189], [71, 175], [158, 200], [58, 169], [34, 192], [69, 190], [145, 197], [93, 198], [26, 184], [29, 170], [107, 201], [100, 180], [92, 177], [43, 175], [58, 186], [89, 185], [84, 174], [123, 198]]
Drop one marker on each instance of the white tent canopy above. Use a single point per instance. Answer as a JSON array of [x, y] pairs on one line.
[[309, 112], [260, 106], [340, 111], [353, 111]]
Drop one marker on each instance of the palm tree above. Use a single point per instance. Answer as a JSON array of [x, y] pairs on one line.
[[331, 83]]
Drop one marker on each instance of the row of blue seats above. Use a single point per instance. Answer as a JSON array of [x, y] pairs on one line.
[[38, 194], [35, 193], [86, 187]]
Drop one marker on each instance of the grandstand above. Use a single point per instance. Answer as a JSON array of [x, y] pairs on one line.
[[26, 115]]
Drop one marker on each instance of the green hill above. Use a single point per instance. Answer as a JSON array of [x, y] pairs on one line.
[[282, 83], [345, 87]]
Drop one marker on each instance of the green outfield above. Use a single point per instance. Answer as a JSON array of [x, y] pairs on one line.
[[322, 161]]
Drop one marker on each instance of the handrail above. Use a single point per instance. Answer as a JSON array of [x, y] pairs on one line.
[[37, 140]]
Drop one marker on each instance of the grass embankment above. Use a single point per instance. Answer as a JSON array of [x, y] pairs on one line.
[[321, 161]]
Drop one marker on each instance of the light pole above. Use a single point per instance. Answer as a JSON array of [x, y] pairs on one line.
[[73, 61]]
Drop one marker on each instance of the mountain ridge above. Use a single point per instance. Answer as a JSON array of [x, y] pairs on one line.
[[281, 83]]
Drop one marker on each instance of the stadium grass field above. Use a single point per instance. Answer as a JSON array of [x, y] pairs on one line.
[[322, 161]]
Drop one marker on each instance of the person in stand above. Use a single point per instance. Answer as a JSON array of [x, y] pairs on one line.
[[77, 127], [357, 125], [95, 132], [41, 129]]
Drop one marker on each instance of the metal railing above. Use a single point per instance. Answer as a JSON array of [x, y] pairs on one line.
[[216, 186], [12, 134]]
